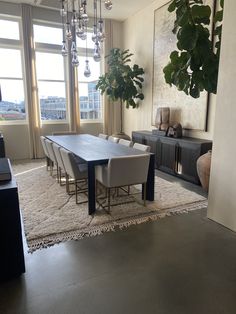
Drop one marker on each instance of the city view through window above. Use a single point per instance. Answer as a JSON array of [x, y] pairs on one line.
[[50, 79]]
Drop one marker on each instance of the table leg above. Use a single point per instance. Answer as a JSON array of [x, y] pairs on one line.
[[91, 189], [150, 186]]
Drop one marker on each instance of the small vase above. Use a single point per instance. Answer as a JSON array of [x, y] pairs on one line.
[[203, 169]]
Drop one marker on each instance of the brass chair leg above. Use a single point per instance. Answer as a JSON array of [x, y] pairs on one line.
[[144, 194], [109, 200], [76, 192], [67, 183]]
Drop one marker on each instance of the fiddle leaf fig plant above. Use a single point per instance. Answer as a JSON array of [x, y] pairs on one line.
[[122, 82], [193, 68]]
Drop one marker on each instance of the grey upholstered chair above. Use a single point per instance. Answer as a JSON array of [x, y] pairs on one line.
[[60, 164], [113, 139], [48, 161], [125, 142], [74, 170], [104, 136], [142, 147], [123, 171], [52, 157]]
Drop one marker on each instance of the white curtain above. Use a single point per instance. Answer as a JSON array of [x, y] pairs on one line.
[[111, 109], [32, 89]]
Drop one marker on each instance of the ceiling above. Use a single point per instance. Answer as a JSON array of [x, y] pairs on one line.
[[121, 10]]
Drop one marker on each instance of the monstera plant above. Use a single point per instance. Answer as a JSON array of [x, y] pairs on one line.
[[193, 68], [122, 82]]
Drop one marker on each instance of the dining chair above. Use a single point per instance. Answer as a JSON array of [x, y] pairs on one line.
[[77, 171], [113, 139], [42, 139], [52, 157], [61, 167], [125, 142], [142, 147], [104, 136], [122, 171]]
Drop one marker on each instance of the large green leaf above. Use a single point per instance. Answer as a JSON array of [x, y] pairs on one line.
[[187, 36], [201, 14]]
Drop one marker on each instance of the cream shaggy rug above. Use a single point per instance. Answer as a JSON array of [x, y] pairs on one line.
[[51, 216]]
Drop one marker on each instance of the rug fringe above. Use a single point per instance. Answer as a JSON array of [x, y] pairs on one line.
[[51, 240]]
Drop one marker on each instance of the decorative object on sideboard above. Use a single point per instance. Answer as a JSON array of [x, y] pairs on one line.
[[122, 83], [175, 130], [204, 169], [162, 118]]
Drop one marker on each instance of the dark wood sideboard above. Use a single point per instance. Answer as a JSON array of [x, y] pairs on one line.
[[176, 156], [2, 147], [12, 262]]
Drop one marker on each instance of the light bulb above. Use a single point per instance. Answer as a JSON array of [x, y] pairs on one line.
[[68, 32], [108, 4], [85, 18], [63, 12], [73, 47], [64, 50], [87, 71], [96, 54], [75, 60]]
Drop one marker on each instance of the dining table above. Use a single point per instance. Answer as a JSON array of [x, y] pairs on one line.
[[97, 151]]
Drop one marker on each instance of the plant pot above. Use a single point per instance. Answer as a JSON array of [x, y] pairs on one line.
[[203, 169], [122, 135]]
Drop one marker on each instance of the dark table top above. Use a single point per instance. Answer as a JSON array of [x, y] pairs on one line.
[[92, 148]]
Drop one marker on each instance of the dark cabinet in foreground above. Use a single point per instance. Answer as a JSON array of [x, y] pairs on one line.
[[2, 147], [11, 247], [176, 156]]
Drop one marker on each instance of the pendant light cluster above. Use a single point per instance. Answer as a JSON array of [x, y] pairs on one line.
[[75, 24]]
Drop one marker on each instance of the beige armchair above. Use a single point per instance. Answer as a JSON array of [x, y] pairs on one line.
[[74, 170], [123, 171]]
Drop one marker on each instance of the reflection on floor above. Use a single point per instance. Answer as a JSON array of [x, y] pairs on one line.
[[177, 265]]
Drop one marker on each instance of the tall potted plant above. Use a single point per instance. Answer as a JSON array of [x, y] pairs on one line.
[[122, 82]]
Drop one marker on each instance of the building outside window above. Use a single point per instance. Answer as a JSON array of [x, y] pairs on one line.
[[50, 71], [90, 99], [12, 106]]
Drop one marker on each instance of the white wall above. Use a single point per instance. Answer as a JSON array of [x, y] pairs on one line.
[[222, 191], [138, 37]]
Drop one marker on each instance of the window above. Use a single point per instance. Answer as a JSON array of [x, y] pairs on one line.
[[50, 73], [9, 29], [47, 35], [12, 106], [90, 100]]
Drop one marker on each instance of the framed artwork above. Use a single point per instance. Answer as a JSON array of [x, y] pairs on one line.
[[190, 112]]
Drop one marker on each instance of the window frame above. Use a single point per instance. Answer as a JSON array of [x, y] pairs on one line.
[[15, 44], [82, 53], [56, 49]]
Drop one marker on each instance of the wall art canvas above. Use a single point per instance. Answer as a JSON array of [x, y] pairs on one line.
[[190, 112]]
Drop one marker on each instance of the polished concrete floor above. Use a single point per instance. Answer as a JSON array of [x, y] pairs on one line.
[[181, 264]]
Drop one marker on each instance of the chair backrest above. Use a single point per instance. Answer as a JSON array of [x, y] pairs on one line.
[[104, 136], [144, 148], [73, 169], [125, 142], [42, 139], [128, 170], [56, 148], [50, 150], [113, 139], [64, 133]]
